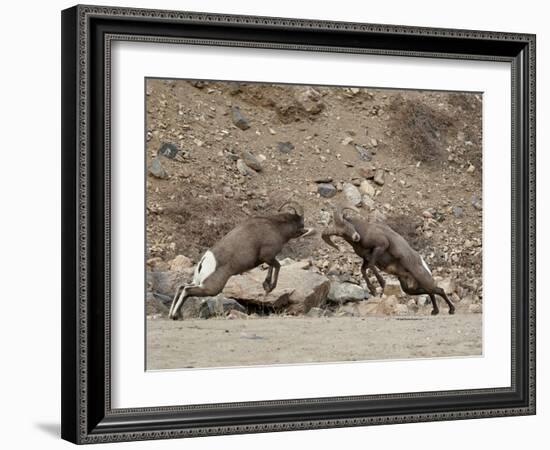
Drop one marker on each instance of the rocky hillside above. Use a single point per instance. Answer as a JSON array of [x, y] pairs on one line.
[[219, 152]]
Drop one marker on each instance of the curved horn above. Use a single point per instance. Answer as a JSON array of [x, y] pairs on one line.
[[298, 209], [351, 208], [326, 236], [337, 215]]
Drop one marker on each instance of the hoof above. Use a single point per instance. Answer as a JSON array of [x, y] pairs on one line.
[[451, 310], [435, 312]]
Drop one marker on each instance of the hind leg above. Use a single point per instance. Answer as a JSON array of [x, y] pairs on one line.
[[439, 291], [420, 291], [426, 282], [213, 285], [435, 310], [181, 288]]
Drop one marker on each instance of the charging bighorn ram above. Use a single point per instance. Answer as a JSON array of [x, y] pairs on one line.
[[256, 241], [383, 248]]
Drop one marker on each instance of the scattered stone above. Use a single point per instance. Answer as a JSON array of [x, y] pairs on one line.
[[155, 307], [379, 177], [326, 190], [352, 194], [476, 202], [157, 170], [180, 263], [323, 180], [367, 172], [157, 264], [401, 310], [237, 315], [234, 88], [368, 308], [447, 284], [168, 150], [412, 305], [315, 312], [346, 292], [238, 119], [468, 300], [427, 214], [393, 287], [364, 154], [387, 305], [229, 304], [349, 310], [325, 217], [458, 212], [368, 202], [199, 84], [285, 147], [228, 192], [289, 262], [251, 161], [347, 140], [366, 188], [309, 100], [244, 169], [374, 142], [475, 308], [471, 168]]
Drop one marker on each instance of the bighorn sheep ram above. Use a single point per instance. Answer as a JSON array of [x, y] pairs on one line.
[[383, 248], [258, 240]]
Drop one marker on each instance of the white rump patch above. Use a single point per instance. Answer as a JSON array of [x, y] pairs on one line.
[[425, 265], [205, 268]]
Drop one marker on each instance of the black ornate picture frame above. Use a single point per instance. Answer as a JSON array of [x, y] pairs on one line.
[[87, 35]]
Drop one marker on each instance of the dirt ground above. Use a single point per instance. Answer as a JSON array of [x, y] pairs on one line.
[[288, 340]]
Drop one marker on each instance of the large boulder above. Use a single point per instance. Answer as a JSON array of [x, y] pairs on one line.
[[297, 290], [393, 287], [447, 284], [379, 306], [166, 283], [346, 292], [180, 263], [155, 307], [207, 307]]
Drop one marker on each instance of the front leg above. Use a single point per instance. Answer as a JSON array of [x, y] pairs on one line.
[[270, 284], [370, 286], [267, 282], [371, 264]]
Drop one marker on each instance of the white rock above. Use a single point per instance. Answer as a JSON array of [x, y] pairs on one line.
[[366, 188]]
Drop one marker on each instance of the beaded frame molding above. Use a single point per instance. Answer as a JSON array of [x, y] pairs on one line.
[[87, 34]]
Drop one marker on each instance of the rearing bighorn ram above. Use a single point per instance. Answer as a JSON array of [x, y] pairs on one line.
[[383, 248], [256, 241]]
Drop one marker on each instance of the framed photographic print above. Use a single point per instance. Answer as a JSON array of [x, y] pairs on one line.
[[279, 224]]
